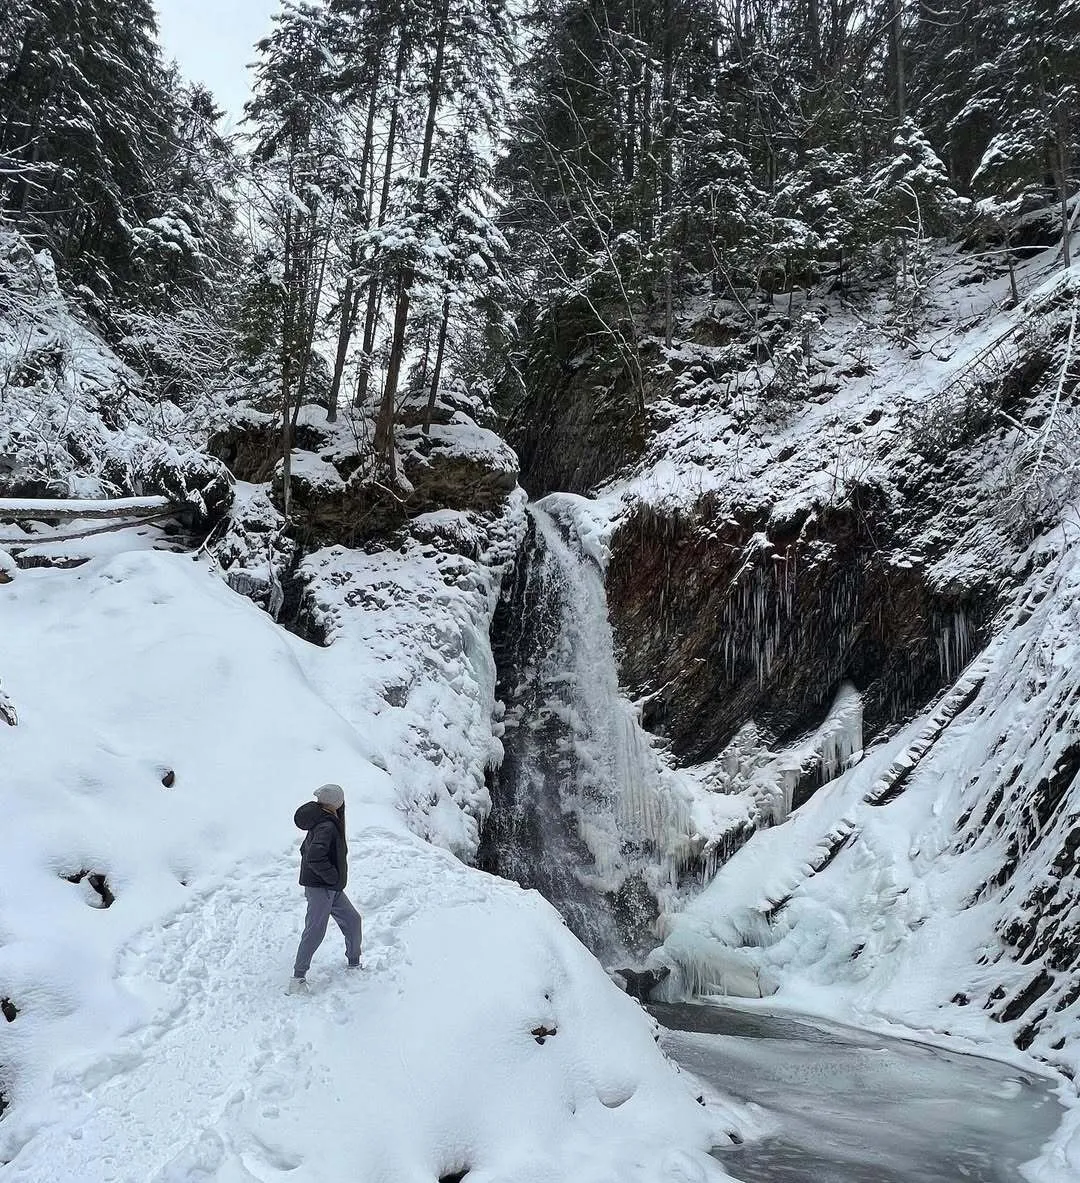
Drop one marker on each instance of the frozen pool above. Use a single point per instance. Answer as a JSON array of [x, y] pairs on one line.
[[854, 1107]]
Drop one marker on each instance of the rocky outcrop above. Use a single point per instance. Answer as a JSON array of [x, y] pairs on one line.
[[871, 546], [730, 613], [338, 492], [196, 482], [580, 419], [640, 984], [249, 444]]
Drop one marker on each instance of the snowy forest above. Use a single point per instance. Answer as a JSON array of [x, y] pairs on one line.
[[632, 447]]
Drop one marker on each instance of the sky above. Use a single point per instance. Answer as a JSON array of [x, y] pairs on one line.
[[212, 42]]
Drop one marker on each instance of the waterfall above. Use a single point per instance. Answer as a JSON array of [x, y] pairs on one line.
[[585, 810]]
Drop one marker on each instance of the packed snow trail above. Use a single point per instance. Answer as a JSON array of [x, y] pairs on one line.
[[231, 1080], [854, 1107]]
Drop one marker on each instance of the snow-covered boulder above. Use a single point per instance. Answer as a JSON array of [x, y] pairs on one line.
[[338, 490]]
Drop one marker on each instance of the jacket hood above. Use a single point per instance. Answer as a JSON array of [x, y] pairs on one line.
[[310, 814]]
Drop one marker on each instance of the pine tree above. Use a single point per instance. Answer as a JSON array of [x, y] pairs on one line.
[[84, 128], [996, 84], [190, 243]]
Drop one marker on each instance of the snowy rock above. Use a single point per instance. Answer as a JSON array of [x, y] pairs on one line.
[[248, 442], [198, 483], [407, 632], [640, 984], [453, 400], [457, 465], [340, 495]]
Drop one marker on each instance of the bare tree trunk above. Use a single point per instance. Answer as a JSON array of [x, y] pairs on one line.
[[345, 331], [896, 55], [814, 21], [350, 304], [440, 351], [666, 177], [384, 424], [1063, 187], [374, 285], [1013, 289], [287, 345]]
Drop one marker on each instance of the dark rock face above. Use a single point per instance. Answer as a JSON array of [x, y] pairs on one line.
[[579, 422], [98, 883], [641, 984], [250, 445], [726, 616]]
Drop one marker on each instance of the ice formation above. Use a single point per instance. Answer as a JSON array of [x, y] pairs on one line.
[[585, 803]]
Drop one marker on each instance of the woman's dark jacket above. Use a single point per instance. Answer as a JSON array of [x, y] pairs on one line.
[[323, 853]]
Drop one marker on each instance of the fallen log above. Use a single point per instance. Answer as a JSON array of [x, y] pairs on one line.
[[30, 509], [29, 540]]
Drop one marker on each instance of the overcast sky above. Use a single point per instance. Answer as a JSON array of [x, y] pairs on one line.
[[212, 42]]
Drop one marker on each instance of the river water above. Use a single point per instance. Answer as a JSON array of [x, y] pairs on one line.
[[853, 1107]]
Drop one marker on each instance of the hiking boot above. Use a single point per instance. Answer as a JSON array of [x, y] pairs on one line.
[[353, 964], [298, 986]]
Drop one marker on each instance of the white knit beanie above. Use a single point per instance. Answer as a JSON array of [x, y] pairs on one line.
[[332, 795]]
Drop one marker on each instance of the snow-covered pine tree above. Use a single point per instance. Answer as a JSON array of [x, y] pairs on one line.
[[996, 85], [191, 242], [84, 130]]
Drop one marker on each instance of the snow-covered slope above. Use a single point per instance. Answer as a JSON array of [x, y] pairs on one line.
[[166, 731], [74, 420], [157, 731]]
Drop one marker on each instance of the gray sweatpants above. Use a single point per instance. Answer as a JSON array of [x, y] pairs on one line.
[[322, 903]]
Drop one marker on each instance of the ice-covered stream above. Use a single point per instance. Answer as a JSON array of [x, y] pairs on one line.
[[854, 1107]]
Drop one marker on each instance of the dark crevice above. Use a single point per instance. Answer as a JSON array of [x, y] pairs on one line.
[[98, 882], [1034, 990]]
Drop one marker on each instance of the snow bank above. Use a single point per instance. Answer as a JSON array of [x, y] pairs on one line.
[[149, 911], [409, 660]]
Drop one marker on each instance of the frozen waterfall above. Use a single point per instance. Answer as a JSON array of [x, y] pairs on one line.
[[585, 810]]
